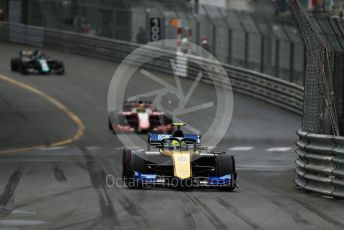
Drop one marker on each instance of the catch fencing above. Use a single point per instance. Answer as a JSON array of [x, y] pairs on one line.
[[320, 157]]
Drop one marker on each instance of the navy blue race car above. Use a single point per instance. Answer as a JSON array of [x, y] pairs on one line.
[[178, 160]]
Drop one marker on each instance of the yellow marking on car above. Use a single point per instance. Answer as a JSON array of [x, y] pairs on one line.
[[181, 163], [72, 116]]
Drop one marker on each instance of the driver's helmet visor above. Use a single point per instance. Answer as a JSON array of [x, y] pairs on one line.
[[38, 54], [178, 145], [140, 108]]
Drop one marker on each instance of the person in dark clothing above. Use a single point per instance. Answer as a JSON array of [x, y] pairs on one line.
[[2, 15], [141, 36], [205, 45]]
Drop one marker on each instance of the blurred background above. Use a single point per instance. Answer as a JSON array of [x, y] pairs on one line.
[[255, 34]]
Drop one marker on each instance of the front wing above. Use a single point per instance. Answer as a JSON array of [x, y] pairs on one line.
[[211, 181]]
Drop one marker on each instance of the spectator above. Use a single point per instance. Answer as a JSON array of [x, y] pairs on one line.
[[141, 36], [185, 45], [2, 15], [205, 45], [85, 27], [78, 21]]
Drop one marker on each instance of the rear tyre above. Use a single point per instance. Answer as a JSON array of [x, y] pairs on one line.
[[124, 164], [225, 165], [14, 64], [131, 163], [23, 69], [110, 125]]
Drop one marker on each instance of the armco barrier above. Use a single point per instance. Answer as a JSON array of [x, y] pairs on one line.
[[320, 164], [267, 88], [338, 172]]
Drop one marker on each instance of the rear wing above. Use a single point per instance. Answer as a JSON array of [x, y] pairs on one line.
[[156, 138], [135, 102], [26, 53]]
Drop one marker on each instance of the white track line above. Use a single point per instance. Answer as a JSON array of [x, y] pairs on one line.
[[241, 148], [54, 148], [278, 149], [23, 211], [20, 222]]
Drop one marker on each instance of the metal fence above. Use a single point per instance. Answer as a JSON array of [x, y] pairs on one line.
[[269, 45], [324, 41]]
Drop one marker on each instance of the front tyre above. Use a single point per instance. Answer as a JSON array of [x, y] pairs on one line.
[[225, 165], [127, 173], [61, 70]]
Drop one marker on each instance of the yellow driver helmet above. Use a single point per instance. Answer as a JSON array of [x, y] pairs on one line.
[[176, 144]]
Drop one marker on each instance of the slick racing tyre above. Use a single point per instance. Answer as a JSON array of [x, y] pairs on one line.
[[131, 163], [15, 64], [61, 69], [225, 165], [110, 125], [24, 69], [138, 164]]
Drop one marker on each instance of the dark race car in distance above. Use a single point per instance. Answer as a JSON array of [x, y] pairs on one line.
[[139, 117], [36, 62]]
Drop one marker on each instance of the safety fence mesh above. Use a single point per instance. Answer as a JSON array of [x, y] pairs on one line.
[[320, 109]]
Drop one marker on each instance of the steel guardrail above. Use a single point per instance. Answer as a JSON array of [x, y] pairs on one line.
[[261, 86], [320, 164]]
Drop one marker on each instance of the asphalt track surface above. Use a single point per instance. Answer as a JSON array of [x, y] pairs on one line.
[[62, 187]]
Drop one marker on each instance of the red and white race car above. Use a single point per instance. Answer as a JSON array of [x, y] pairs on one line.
[[139, 117]]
